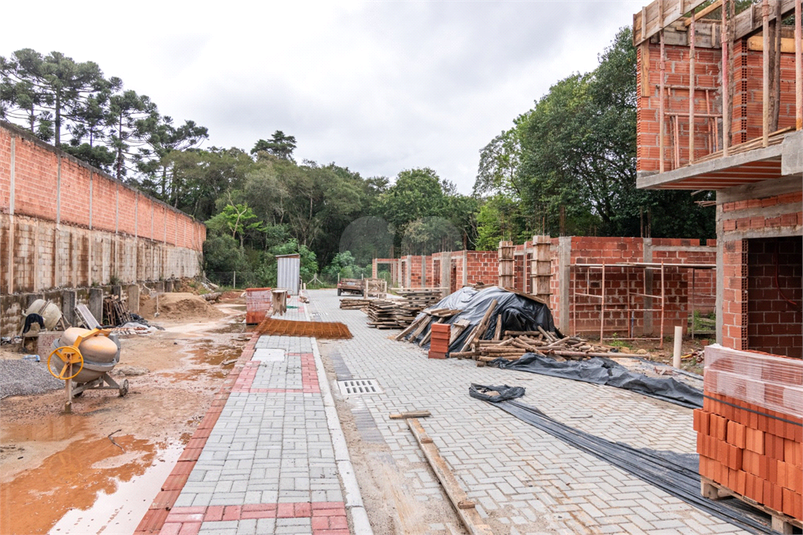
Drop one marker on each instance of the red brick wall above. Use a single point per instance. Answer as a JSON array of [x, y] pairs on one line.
[[747, 100], [771, 215], [39, 193], [482, 266], [774, 275], [5, 169], [74, 193], [748, 95], [621, 281], [35, 180]]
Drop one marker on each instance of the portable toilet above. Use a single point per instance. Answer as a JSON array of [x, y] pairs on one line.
[[289, 272]]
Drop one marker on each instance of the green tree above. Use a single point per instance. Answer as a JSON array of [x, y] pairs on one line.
[[162, 139], [279, 145], [571, 161], [46, 90], [127, 118]]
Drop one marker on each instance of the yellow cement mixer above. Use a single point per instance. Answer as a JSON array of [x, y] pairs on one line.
[[83, 359]]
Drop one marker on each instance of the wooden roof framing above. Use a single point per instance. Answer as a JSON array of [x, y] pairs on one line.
[[649, 21]]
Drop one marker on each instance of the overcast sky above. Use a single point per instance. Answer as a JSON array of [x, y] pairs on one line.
[[377, 87]]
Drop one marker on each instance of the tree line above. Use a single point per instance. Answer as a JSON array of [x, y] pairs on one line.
[[565, 167], [568, 165]]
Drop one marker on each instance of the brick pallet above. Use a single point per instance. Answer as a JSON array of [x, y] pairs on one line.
[[750, 432]]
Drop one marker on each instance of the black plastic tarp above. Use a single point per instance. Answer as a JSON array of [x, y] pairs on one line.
[[515, 311], [603, 371], [672, 472]]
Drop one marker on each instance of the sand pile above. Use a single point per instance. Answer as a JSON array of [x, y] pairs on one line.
[[178, 305]]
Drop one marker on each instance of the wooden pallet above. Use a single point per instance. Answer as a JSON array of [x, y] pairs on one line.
[[782, 523]]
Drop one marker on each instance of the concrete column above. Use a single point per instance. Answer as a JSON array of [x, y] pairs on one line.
[[648, 289], [11, 226], [96, 303], [720, 284], [465, 268], [446, 272], [133, 298], [507, 264], [168, 286], [564, 282], [68, 300], [423, 271], [374, 269]]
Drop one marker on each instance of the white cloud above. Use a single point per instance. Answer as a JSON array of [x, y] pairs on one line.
[[374, 86]]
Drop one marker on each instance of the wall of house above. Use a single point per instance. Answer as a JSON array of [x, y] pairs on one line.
[[750, 220], [747, 99], [685, 289]]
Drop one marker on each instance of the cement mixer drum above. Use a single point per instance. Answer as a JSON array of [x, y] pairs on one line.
[[51, 314], [98, 353]]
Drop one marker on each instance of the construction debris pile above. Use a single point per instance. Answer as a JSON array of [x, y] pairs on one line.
[[492, 323], [394, 313]]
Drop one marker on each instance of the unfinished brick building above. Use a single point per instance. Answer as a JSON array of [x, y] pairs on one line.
[[741, 136], [720, 107]]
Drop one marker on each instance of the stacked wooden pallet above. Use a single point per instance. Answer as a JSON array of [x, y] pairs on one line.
[[354, 303], [389, 314], [420, 298], [115, 311]]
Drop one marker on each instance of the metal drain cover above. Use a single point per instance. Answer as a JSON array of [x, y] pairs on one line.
[[358, 386]]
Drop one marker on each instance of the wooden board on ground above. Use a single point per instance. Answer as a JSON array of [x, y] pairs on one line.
[[464, 507]]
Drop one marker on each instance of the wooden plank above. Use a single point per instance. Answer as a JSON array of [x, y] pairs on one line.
[[703, 12], [756, 43], [463, 506], [410, 414]]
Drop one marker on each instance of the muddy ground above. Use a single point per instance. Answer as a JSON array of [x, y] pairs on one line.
[[97, 470]]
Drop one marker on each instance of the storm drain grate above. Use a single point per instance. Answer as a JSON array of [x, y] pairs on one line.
[[358, 386]]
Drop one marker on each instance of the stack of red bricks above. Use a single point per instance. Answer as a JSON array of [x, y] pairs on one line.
[[750, 429], [439, 342]]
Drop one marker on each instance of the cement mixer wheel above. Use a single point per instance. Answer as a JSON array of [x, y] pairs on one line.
[[68, 355]]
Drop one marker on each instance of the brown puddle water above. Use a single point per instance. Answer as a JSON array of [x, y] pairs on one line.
[[36, 499]]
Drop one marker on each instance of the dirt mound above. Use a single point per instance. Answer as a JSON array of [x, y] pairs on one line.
[[178, 305]]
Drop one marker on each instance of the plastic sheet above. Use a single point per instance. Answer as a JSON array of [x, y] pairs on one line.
[[607, 372], [516, 312], [675, 473], [771, 382]]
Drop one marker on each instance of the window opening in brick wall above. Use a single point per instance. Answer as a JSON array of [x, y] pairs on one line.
[[774, 281]]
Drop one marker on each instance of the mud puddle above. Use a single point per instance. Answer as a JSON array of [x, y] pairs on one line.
[[121, 511], [71, 479], [61, 474]]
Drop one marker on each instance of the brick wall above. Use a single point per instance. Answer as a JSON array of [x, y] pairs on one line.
[[747, 99], [482, 266], [68, 225], [627, 288], [683, 287], [81, 195], [774, 296], [750, 229]]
